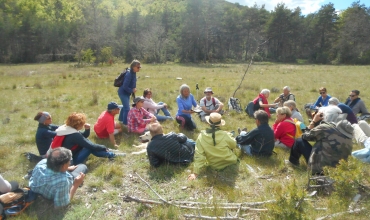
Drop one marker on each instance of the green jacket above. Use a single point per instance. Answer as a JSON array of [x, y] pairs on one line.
[[330, 147], [217, 157]]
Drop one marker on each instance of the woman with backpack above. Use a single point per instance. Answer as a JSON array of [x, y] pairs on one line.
[[284, 128], [127, 88]]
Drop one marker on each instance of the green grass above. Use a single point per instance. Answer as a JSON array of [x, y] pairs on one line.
[[61, 89]]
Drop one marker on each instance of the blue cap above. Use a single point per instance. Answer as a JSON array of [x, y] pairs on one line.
[[113, 105]]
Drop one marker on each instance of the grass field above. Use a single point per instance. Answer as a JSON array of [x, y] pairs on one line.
[[61, 89]]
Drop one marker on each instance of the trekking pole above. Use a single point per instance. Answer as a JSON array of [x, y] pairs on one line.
[[197, 88]]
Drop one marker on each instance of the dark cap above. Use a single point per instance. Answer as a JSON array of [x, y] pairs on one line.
[[138, 99], [113, 105]]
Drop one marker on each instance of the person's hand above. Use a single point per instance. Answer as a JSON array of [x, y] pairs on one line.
[[165, 105], [87, 126], [153, 119], [116, 145], [192, 176], [71, 168], [79, 179], [133, 90], [318, 117]]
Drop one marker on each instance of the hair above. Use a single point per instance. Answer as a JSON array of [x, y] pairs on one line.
[[58, 157], [38, 116], [76, 120], [333, 101], [146, 92], [182, 88], [356, 91], [265, 91], [284, 110], [322, 89], [287, 88], [155, 129], [134, 63], [290, 103], [330, 113], [261, 116]]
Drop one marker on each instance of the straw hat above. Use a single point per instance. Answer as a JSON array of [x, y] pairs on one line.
[[215, 119]]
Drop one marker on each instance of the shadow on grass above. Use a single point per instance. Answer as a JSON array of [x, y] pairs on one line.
[[166, 171], [222, 178], [44, 209]]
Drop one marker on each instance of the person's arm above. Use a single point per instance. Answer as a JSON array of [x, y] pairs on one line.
[[220, 105], [318, 101], [152, 105], [266, 105], [86, 143], [149, 117], [154, 160], [112, 139], [4, 185], [49, 134], [247, 138], [76, 183], [363, 108], [180, 105], [199, 160], [86, 132], [127, 87], [231, 142], [279, 130]]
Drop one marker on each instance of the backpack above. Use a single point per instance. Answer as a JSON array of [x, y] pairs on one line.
[[251, 108], [14, 203], [300, 127], [58, 142], [119, 80], [213, 102]]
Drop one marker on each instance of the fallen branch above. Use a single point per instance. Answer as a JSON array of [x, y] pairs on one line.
[[225, 204], [341, 213], [209, 217], [160, 197]]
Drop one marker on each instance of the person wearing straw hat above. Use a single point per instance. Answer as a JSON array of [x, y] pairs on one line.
[[138, 118], [209, 104], [213, 147]]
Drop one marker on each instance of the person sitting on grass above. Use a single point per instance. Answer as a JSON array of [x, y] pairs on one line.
[[259, 141], [333, 140], [293, 108], [68, 136], [356, 104], [138, 118], [51, 178], [45, 132], [213, 147], [322, 101], [105, 127], [262, 103], [282, 98], [185, 102], [351, 117], [284, 128], [154, 108], [169, 148], [209, 104]]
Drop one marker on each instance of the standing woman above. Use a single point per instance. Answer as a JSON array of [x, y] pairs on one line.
[[128, 87], [185, 101], [45, 132]]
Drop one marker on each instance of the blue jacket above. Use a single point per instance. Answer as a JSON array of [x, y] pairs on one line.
[[185, 104], [129, 83], [44, 137], [321, 103]]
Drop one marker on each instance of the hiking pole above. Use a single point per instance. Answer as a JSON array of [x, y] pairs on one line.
[[197, 88]]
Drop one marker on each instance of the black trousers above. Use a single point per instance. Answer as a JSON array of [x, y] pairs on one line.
[[300, 147]]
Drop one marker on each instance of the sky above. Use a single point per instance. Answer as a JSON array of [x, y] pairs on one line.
[[307, 6]]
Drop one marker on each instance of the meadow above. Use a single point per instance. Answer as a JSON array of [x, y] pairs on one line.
[[61, 88]]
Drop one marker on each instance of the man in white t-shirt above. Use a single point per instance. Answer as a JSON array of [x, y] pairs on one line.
[[210, 104]]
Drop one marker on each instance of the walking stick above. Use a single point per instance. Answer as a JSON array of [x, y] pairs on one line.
[[197, 88]]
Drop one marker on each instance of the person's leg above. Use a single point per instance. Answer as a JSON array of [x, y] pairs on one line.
[[161, 117], [358, 134], [300, 147], [365, 127], [125, 99], [281, 145], [81, 168], [81, 156], [247, 149], [191, 124], [181, 121]]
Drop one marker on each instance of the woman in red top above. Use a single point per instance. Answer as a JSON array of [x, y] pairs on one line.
[[284, 128]]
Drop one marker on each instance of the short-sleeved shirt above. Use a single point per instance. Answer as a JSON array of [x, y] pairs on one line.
[[105, 125], [52, 185], [209, 103]]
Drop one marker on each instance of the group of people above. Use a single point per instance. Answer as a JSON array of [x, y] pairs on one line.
[[65, 148]]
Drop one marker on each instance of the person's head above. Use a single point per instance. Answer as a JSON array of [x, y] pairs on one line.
[[76, 120], [155, 129], [135, 66], [113, 108], [265, 92], [138, 102], [283, 112], [333, 101], [290, 104], [215, 119], [58, 159], [323, 92], [261, 117], [43, 118], [330, 113], [184, 91], [208, 92], [147, 93], [354, 94], [286, 90]]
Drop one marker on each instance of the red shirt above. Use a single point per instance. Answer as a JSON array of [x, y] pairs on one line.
[[285, 132], [105, 125]]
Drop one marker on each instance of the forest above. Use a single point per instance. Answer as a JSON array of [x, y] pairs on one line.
[[196, 31]]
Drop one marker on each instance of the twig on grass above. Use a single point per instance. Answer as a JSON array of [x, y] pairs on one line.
[[160, 197], [340, 213], [92, 213], [211, 218]]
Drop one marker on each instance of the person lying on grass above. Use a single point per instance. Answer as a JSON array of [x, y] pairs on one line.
[[70, 137], [169, 148], [213, 147], [45, 132], [105, 127], [259, 141], [51, 178]]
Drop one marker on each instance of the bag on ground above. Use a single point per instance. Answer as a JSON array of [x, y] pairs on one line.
[[14, 203]]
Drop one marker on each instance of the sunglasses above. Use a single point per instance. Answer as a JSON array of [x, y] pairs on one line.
[[139, 67], [322, 93], [352, 95]]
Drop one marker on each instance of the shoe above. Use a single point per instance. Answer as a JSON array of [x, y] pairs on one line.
[[289, 163], [232, 133], [170, 118], [119, 155], [112, 150]]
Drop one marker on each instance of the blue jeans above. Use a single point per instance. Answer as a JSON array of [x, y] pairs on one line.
[[125, 99], [246, 149], [84, 153], [165, 112]]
